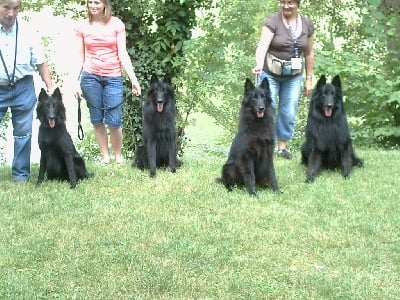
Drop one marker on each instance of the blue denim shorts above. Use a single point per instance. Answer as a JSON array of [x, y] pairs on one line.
[[288, 90], [104, 97]]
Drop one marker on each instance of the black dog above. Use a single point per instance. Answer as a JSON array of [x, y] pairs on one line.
[[250, 158], [59, 158], [158, 128], [328, 143]]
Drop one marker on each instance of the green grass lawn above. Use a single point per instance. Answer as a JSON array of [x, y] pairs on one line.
[[122, 235]]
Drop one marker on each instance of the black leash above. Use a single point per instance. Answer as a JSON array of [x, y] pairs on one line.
[[81, 135]]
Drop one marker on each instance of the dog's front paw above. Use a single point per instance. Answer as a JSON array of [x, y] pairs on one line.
[[252, 191], [277, 191], [310, 179]]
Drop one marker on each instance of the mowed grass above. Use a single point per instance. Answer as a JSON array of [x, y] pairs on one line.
[[122, 235]]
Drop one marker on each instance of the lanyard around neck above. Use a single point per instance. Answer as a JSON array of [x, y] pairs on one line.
[[11, 79], [293, 33]]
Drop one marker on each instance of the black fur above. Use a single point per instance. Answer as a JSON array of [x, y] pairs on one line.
[[250, 160], [328, 143], [158, 128], [59, 158]]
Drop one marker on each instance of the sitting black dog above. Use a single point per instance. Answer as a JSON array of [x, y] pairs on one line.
[[158, 128], [59, 158], [328, 142], [250, 159]]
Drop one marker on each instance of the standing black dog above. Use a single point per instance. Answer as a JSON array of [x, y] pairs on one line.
[[59, 158], [158, 128], [250, 158], [328, 143]]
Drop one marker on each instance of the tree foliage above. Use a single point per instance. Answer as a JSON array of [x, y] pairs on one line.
[[353, 39], [361, 44], [221, 58], [156, 32], [208, 48]]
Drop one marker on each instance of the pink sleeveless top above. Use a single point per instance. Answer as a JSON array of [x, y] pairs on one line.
[[101, 49]]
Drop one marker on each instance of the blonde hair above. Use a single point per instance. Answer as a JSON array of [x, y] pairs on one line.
[[8, 1], [107, 11]]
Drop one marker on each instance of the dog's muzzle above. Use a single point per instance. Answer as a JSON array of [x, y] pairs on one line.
[[328, 110], [260, 112]]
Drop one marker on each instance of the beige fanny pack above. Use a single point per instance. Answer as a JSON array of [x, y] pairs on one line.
[[281, 67]]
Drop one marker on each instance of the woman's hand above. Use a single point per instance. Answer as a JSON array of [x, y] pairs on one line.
[[77, 91], [136, 90], [307, 86], [257, 70]]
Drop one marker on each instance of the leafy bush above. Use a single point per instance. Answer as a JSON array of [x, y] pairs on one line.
[[208, 48], [156, 31]]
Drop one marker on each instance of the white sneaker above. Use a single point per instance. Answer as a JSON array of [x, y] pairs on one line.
[[119, 160]]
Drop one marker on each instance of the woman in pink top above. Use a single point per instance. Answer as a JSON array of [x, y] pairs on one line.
[[102, 53]]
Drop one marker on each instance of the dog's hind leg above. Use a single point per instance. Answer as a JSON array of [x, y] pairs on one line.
[[80, 168], [228, 176], [140, 159], [305, 153]]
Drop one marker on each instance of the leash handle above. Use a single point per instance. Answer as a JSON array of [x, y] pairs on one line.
[[81, 135]]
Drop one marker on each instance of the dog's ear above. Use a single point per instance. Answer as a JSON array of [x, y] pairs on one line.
[[248, 85], [265, 84], [338, 88], [57, 93], [321, 82], [167, 79], [42, 94], [154, 78], [336, 81]]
